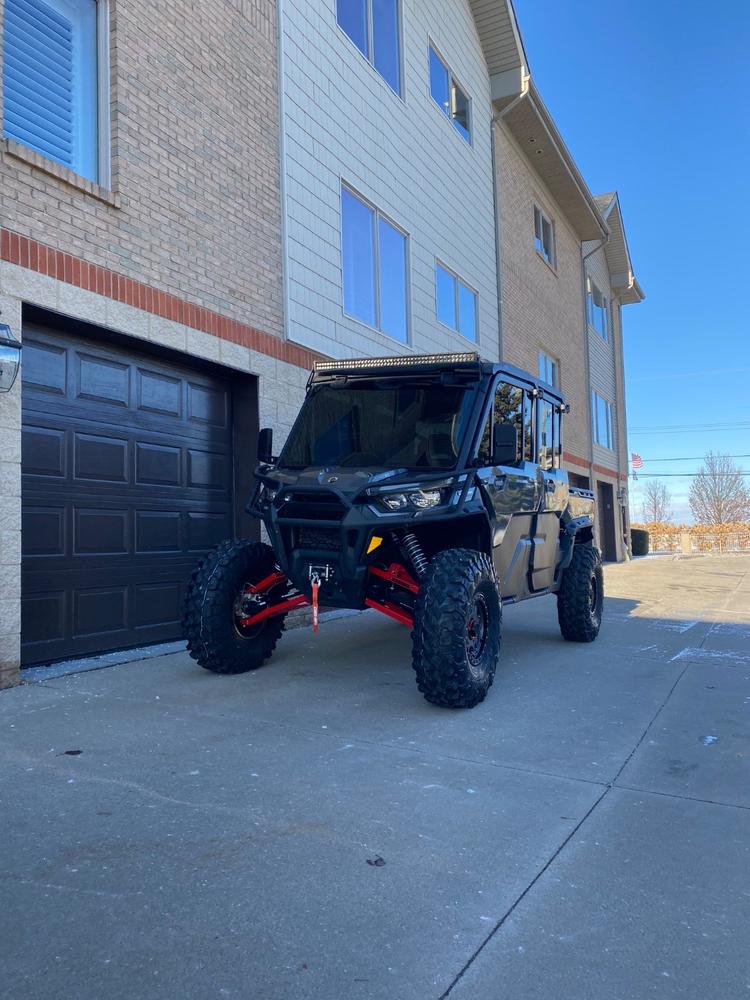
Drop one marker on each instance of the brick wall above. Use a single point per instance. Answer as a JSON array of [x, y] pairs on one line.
[[541, 307], [194, 115]]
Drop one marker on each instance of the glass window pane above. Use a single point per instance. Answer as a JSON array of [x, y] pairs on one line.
[[352, 18], [528, 427], [385, 41], [545, 435], [467, 312], [439, 84], [461, 111], [542, 365], [358, 252], [446, 296], [392, 245], [509, 409]]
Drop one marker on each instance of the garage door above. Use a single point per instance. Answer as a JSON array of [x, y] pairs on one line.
[[127, 479]]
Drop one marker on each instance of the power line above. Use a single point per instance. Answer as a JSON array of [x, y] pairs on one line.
[[690, 458], [710, 429], [686, 475]]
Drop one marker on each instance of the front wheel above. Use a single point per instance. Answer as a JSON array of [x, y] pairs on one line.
[[457, 629], [580, 600], [215, 604]]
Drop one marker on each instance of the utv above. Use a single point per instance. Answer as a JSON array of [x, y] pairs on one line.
[[429, 488]]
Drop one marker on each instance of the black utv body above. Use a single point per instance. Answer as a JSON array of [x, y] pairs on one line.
[[429, 488]]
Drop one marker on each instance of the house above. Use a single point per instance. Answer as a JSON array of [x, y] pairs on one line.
[[196, 202]]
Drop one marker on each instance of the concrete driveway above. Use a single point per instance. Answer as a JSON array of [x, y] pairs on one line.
[[317, 830]]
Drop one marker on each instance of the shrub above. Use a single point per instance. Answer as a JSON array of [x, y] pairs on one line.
[[639, 541]]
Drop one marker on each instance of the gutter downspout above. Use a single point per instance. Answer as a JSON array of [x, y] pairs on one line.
[[496, 119], [584, 258]]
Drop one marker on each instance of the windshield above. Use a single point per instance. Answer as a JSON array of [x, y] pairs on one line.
[[382, 425]]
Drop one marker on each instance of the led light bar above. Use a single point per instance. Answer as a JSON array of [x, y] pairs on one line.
[[400, 361]]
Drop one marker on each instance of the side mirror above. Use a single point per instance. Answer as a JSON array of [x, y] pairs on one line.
[[504, 444], [265, 445]]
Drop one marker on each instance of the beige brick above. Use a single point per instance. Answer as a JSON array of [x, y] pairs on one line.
[[195, 164]]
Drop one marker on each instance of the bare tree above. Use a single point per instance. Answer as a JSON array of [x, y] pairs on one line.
[[657, 502], [719, 493]]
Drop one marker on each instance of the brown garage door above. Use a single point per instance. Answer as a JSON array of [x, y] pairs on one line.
[[127, 479]]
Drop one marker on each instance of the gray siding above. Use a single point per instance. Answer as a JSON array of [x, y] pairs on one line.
[[343, 122]]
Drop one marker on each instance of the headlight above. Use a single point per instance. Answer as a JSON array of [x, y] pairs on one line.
[[416, 499], [266, 496], [412, 500]]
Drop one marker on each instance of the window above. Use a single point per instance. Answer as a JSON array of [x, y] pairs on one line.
[[549, 369], [51, 73], [544, 236], [598, 311], [449, 96], [373, 26], [374, 267], [511, 405], [456, 303], [546, 437], [602, 420]]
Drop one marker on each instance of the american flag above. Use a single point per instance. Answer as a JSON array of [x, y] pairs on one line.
[[635, 460]]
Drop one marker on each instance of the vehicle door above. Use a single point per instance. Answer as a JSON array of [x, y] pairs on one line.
[[513, 488], [554, 494]]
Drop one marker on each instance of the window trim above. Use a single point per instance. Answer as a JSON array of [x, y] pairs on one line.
[[453, 81], [378, 214], [606, 309], [542, 352], [368, 57], [552, 263], [103, 179], [610, 420], [474, 291]]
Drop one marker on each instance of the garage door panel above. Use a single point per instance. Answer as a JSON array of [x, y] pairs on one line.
[[101, 458], [100, 532], [159, 393], [43, 451], [208, 470], [100, 611], [127, 480], [207, 405], [157, 604], [157, 531], [43, 531], [45, 367], [43, 618], [102, 380]]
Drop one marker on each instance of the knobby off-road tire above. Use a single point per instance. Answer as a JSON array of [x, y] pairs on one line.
[[209, 621], [457, 629], [581, 596]]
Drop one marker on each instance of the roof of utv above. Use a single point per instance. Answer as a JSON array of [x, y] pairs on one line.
[[468, 362]]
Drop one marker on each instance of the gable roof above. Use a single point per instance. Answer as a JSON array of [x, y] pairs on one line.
[[517, 101], [624, 282]]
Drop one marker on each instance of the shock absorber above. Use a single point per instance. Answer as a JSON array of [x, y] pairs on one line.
[[414, 551]]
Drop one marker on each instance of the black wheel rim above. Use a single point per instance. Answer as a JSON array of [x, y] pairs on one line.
[[244, 608], [477, 631]]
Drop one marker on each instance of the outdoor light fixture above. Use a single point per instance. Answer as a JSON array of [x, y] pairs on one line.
[[10, 358]]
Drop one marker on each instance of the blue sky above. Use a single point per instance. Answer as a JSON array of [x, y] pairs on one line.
[[653, 100]]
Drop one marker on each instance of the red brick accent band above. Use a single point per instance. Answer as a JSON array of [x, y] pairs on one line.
[[601, 469], [29, 253]]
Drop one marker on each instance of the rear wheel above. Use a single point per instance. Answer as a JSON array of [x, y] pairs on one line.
[[580, 600], [457, 629], [216, 601]]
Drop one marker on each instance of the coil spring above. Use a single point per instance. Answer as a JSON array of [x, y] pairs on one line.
[[415, 553]]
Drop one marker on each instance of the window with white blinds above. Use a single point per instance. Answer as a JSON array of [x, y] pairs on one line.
[[50, 80]]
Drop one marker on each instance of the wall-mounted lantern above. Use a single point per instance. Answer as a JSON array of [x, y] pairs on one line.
[[10, 358]]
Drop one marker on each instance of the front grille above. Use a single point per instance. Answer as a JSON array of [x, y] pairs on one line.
[[318, 505], [328, 539]]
